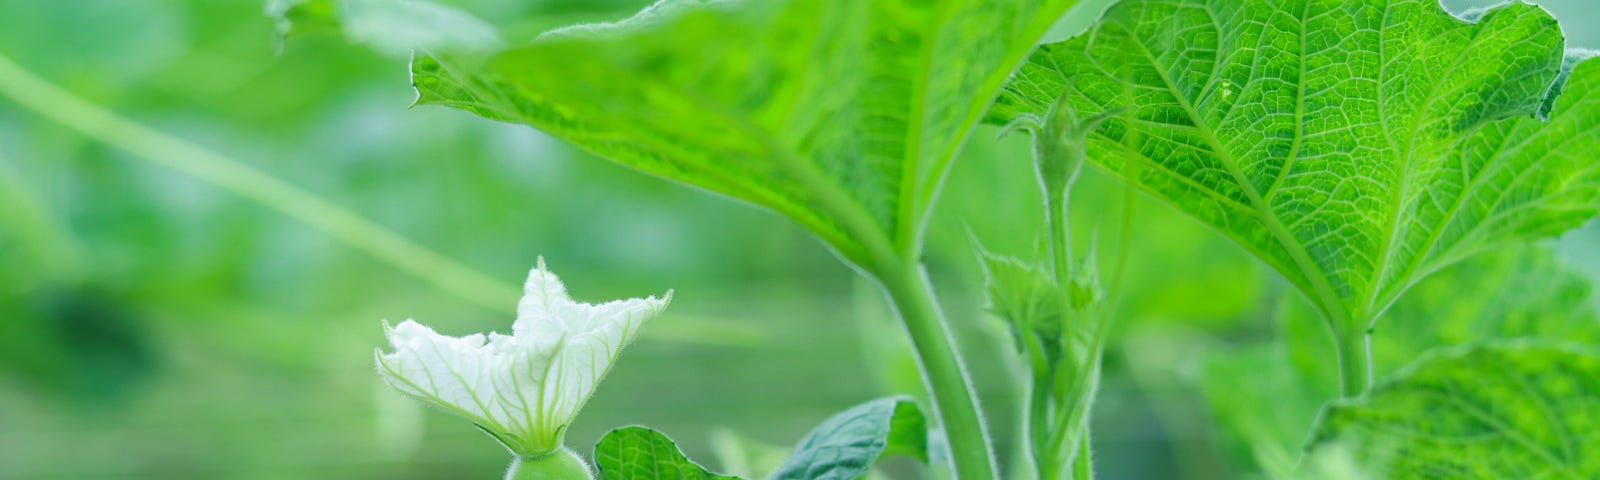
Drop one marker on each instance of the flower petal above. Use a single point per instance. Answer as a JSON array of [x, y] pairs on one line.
[[448, 371], [527, 387]]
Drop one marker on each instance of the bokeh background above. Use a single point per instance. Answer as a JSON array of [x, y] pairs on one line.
[[157, 325]]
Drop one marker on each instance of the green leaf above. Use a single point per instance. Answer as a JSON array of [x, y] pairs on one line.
[[1267, 395], [1354, 145], [1491, 412], [1023, 295], [846, 445], [299, 17], [842, 115], [1526, 292], [393, 27], [640, 453]]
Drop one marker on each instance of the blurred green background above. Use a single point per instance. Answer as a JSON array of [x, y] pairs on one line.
[[153, 325]]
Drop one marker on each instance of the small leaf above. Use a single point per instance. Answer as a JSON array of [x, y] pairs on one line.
[[1024, 296], [640, 453], [845, 446], [1520, 410]]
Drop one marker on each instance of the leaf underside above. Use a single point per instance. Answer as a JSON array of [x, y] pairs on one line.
[[840, 114], [1489, 412], [846, 445], [1354, 145]]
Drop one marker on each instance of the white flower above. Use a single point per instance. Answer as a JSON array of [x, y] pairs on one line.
[[525, 388]]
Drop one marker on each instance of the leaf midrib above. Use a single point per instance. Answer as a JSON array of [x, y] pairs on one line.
[[1299, 108], [1309, 269], [1452, 254], [989, 92], [1400, 193], [908, 198], [855, 220], [731, 184]]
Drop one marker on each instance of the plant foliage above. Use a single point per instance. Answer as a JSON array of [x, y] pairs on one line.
[[1266, 396], [845, 446], [1498, 411], [639, 453], [840, 114], [1354, 145]]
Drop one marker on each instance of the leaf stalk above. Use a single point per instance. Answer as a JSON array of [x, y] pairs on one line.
[[1355, 360], [954, 401]]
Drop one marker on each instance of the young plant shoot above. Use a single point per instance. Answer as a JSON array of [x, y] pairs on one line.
[[1056, 312]]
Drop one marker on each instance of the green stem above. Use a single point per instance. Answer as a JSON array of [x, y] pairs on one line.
[[1082, 464], [955, 402], [561, 464], [95, 122], [1038, 406], [309, 209], [24, 216], [1060, 237], [1057, 190], [1355, 361], [1057, 166], [1069, 442]]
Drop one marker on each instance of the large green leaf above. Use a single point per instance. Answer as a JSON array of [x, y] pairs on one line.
[[846, 445], [840, 114], [1354, 145], [1490, 412], [640, 453], [1265, 396]]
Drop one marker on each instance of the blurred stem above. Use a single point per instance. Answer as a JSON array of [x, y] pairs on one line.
[[1355, 361], [1039, 405], [1057, 194], [95, 122], [955, 402], [24, 217], [1082, 465], [1069, 443]]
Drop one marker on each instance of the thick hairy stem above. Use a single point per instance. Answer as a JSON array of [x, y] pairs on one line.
[[1069, 442], [1039, 407], [955, 403], [561, 464]]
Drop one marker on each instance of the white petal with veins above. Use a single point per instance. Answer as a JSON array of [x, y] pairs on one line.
[[523, 388]]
